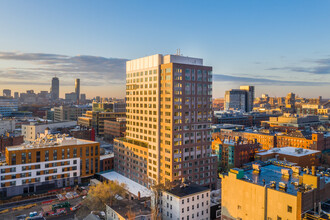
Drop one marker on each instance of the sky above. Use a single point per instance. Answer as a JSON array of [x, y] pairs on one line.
[[278, 46]]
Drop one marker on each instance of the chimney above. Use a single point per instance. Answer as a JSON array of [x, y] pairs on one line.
[[139, 195]]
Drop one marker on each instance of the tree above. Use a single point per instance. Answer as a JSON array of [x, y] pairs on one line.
[[157, 196], [104, 193]]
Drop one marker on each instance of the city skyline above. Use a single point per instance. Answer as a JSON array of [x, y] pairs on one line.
[[248, 43]]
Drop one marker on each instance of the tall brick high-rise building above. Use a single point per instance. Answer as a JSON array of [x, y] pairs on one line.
[[169, 113]]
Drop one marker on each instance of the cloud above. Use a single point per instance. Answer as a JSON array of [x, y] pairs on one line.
[[92, 70], [322, 66], [264, 81]]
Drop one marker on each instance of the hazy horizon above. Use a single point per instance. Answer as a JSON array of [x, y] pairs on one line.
[[277, 46]]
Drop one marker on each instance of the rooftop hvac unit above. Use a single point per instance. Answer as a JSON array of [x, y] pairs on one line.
[[296, 169], [256, 167], [282, 185], [285, 172], [273, 184]]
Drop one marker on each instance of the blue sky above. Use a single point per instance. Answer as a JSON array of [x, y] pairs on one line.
[[277, 45]]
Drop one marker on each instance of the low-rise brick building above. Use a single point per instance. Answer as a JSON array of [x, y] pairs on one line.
[[301, 157], [234, 153]]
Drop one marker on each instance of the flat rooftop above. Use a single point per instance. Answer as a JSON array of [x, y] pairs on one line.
[[139, 208], [187, 189], [67, 141], [274, 173], [290, 151], [132, 186], [107, 156]]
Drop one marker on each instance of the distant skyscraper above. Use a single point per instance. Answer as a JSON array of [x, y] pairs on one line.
[[55, 89], [240, 99], [6, 92], [83, 97], [77, 89], [235, 99], [290, 101], [16, 95], [249, 97]]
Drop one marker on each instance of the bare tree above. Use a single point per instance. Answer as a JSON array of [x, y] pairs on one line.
[[157, 196]]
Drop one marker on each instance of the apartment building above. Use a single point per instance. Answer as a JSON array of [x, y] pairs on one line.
[[7, 125], [70, 113], [8, 106], [272, 192], [299, 156], [113, 129], [169, 114], [186, 201], [268, 139], [9, 140], [115, 106], [233, 153], [292, 122], [52, 161], [95, 119], [32, 131], [302, 139], [240, 99]]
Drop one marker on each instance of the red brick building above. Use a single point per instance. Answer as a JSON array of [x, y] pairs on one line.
[[113, 129], [107, 162], [10, 141], [302, 157], [234, 153]]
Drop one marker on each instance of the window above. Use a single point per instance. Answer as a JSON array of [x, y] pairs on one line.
[[55, 155], [279, 218], [23, 157], [290, 209], [46, 155], [87, 165], [13, 159], [218, 214]]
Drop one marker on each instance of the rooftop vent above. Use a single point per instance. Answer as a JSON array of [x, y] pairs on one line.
[[282, 185], [256, 167]]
